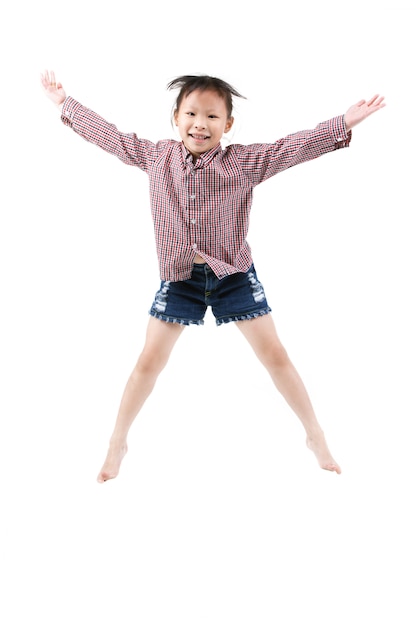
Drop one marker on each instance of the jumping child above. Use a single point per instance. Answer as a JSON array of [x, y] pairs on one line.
[[201, 197]]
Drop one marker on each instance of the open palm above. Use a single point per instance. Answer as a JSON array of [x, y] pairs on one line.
[[363, 109], [53, 90]]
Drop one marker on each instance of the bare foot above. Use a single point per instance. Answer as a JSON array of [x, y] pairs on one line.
[[317, 444], [112, 463]]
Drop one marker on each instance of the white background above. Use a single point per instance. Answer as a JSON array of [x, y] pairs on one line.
[[220, 515]]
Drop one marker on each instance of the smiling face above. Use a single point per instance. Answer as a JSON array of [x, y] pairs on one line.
[[202, 118]]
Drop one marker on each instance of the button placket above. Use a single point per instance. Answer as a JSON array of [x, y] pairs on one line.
[[191, 208]]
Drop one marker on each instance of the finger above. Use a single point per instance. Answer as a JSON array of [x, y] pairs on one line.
[[377, 104], [44, 81], [372, 100], [48, 80]]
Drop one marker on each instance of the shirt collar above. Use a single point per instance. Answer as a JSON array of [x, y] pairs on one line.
[[202, 160]]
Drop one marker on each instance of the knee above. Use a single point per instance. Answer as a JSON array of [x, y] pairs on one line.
[[150, 364], [275, 356]]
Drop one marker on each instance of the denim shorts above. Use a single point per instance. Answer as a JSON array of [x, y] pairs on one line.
[[237, 297]]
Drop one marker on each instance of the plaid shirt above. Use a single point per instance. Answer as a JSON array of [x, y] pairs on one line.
[[203, 207]]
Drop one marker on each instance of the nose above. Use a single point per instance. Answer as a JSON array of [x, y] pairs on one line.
[[199, 122]]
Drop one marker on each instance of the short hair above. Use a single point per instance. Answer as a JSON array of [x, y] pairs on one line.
[[188, 84]]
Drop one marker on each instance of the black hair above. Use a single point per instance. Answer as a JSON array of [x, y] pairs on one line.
[[188, 84]]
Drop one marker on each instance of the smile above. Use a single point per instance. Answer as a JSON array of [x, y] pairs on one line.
[[199, 137]]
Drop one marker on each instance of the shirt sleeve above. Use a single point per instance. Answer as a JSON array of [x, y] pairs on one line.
[[94, 129], [261, 161]]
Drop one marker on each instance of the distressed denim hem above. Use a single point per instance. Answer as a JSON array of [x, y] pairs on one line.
[[240, 318], [175, 320]]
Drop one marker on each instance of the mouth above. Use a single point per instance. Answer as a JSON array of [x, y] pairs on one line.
[[199, 138]]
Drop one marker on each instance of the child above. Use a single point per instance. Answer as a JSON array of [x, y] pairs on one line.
[[201, 197]]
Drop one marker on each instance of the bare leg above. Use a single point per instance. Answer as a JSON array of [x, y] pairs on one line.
[[160, 339], [262, 336]]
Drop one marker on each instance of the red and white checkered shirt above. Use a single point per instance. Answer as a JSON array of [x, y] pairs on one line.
[[203, 207]]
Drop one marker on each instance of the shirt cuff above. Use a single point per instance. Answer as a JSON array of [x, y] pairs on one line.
[[69, 109], [342, 137]]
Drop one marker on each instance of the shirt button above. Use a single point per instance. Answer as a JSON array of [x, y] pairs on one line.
[[192, 221], [192, 197], [195, 246]]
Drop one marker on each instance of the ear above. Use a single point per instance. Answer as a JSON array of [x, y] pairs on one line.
[[229, 124], [175, 117]]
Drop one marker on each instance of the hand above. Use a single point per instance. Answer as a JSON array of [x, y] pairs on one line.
[[360, 111], [53, 90]]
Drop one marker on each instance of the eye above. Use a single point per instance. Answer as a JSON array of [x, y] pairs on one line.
[[190, 113], [213, 117]]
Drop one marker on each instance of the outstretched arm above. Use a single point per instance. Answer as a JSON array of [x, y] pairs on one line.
[[95, 129], [53, 90], [363, 109]]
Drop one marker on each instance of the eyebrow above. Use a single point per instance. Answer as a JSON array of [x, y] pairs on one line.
[[190, 107]]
